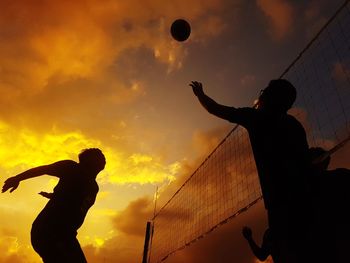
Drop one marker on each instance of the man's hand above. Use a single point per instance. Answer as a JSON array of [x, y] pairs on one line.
[[247, 233], [197, 88], [11, 183], [45, 194]]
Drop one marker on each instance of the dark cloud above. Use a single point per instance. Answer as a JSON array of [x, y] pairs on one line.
[[280, 14], [129, 226], [132, 220]]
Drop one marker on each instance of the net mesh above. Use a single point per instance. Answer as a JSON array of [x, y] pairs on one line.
[[322, 77], [226, 183], [223, 185]]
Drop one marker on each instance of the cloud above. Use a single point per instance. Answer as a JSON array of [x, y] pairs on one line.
[[81, 39], [248, 80], [314, 18], [202, 144], [11, 249], [280, 15], [129, 226], [64, 64], [133, 218], [121, 248], [22, 148]]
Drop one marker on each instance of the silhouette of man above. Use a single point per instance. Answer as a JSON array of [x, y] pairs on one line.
[[267, 247], [54, 231], [280, 149]]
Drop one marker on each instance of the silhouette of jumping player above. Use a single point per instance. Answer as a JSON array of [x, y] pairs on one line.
[[280, 150], [266, 248], [54, 231]]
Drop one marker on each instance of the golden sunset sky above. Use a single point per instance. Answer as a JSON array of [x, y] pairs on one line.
[[107, 74]]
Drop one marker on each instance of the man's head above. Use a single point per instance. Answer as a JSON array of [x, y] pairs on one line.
[[278, 96], [320, 158], [93, 159]]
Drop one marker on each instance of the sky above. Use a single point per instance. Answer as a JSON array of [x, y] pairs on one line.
[[107, 74]]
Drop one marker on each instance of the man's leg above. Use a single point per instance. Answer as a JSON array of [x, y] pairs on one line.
[[73, 251], [58, 248]]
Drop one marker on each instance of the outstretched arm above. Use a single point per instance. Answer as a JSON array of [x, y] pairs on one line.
[[210, 105], [259, 252], [55, 169], [13, 182]]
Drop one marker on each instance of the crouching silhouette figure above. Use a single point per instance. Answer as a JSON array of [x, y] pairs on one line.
[[54, 231]]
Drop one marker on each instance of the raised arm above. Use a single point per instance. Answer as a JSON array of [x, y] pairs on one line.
[[55, 169], [210, 105], [260, 252]]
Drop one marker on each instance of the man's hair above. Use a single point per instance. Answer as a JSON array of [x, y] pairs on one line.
[[93, 157], [280, 94]]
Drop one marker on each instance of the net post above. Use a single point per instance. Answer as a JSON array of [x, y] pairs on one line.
[[146, 245]]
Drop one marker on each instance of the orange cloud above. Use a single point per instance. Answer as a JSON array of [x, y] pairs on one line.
[[43, 40], [24, 148], [127, 243], [63, 63], [280, 14], [203, 143], [10, 250], [132, 220]]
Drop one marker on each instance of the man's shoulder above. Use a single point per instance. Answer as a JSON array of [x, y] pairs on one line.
[[63, 168], [66, 164], [244, 115]]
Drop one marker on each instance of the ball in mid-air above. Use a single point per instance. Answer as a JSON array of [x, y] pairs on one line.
[[180, 30]]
